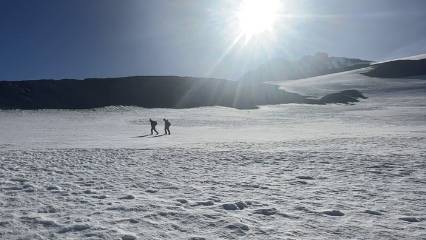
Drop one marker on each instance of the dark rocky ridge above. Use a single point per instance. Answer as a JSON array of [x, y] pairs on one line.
[[343, 96], [150, 92], [398, 69]]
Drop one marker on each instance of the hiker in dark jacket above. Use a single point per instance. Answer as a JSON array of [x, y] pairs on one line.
[[153, 124], [166, 126]]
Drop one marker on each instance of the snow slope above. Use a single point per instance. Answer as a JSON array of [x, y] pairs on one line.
[[278, 172], [415, 57], [325, 84]]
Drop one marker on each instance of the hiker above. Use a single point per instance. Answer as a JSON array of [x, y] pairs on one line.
[[167, 125], [153, 124]]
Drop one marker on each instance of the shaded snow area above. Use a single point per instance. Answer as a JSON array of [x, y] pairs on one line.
[[278, 172]]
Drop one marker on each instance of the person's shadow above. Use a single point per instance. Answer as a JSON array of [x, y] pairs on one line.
[[143, 136], [148, 135], [162, 135]]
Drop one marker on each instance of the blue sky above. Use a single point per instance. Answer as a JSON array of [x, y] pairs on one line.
[[106, 38]]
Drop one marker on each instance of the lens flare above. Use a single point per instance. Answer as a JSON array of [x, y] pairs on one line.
[[257, 16]]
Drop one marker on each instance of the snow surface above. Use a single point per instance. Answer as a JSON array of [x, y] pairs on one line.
[[278, 172]]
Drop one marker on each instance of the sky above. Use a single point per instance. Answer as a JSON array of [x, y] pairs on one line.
[[56, 39]]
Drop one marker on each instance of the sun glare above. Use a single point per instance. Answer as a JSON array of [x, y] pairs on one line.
[[257, 16]]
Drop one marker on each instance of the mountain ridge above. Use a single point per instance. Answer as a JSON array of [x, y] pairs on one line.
[[307, 66], [148, 92], [399, 68]]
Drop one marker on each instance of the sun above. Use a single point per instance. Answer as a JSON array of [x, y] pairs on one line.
[[257, 16]]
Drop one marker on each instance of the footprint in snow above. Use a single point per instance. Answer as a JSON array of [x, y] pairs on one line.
[[203, 203], [128, 237], [335, 213], [182, 201], [53, 188], [410, 219], [266, 211], [235, 206], [74, 228], [127, 197], [151, 190], [305, 177], [238, 226], [373, 212]]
